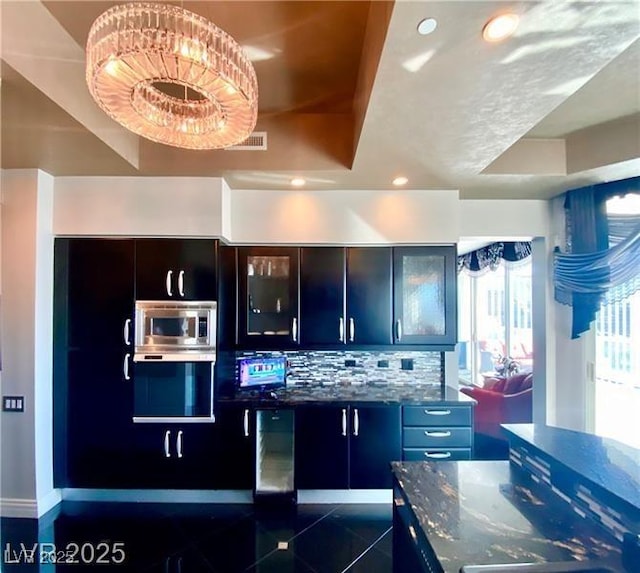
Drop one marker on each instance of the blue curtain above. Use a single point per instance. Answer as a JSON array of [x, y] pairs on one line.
[[593, 270]]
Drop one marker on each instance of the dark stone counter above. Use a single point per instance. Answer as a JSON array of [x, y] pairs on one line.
[[490, 512], [365, 393], [603, 462]]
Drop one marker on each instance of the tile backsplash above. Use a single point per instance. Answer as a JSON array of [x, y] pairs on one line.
[[328, 368]]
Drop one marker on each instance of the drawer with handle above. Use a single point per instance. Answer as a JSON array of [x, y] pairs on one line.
[[437, 416], [435, 454], [437, 437]]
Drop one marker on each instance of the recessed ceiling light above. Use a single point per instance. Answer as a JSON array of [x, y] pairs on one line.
[[399, 181], [427, 26], [298, 182], [500, 27]]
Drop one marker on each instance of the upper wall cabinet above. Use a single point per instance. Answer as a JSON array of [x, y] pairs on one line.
[[176, 269], [345, 296], [268, 297], [369, 296], [322, 296], [424, 301], [377, 296]]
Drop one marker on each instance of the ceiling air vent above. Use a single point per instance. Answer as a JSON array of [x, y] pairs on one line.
[[257, 141]]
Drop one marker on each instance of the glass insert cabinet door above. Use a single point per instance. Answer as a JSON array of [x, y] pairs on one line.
[[424, 295], [268, 301]]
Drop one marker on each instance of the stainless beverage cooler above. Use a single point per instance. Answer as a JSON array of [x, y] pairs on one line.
[[274, 455]]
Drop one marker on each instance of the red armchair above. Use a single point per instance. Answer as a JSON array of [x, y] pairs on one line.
[[501, 401]]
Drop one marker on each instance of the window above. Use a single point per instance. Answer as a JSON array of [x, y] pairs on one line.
[[495, 321], [617, 364]]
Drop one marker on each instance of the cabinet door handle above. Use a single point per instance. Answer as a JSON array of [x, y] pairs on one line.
[[126, 332], [437, 434], [245, 423], [167, 436], [438, 455], [125, 366], [356, 422], [398, 330], [294, 329], [167, 283], [179, 444], [341, 330], [352, 329], [181, 283], [437, 412], [344, 421]]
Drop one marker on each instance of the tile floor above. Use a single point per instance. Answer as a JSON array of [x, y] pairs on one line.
[[190, 538]]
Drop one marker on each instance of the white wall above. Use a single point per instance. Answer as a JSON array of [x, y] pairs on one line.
[[153, 206], [570, 390], [27, 294], [504, 218], [206, 207], [344, 217]]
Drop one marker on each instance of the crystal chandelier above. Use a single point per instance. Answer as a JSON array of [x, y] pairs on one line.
[[171, 76]]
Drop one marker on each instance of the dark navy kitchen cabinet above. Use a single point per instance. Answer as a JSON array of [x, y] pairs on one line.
[[369, 290], [374, 442], [321, 447], [97, 405], [94, 292], [176, 269], [424, 295], [92, 359], [235, 453], [322, 296], [346, 447], [268, 314], [173, 456]]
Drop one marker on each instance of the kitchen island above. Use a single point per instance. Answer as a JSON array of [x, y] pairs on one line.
[[451, 514], [559, 501]]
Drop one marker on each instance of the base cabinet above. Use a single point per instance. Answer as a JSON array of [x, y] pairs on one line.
[[235, 448], [173, 456], [321, 448], [346, 447], [432, 433]]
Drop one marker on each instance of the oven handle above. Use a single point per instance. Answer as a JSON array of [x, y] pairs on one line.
[[181, 283], [167, 453], [179, 443], [168, 283]]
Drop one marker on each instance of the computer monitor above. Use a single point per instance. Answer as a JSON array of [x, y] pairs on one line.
[[262, 373]]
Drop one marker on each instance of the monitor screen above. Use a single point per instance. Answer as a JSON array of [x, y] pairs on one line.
[[262, 372]]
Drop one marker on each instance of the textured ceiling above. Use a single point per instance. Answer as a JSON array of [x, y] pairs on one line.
[[352, 96]]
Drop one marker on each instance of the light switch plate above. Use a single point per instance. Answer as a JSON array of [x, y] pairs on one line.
[[13, 403]]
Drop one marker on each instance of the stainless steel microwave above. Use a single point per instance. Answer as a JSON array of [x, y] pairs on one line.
[[175, 331]]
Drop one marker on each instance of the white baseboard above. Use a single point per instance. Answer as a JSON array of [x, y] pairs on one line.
[[158, 495], [29, 508], [345, 496], [24, 508], [49, 501], [222, 496]]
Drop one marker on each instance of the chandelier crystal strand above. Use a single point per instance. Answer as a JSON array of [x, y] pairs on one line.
[[171, 76]]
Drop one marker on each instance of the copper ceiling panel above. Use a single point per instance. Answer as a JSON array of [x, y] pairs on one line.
[[311, 64]]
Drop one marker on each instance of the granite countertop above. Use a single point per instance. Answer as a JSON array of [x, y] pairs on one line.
[[606, 463], [365, 393], [489, 512]]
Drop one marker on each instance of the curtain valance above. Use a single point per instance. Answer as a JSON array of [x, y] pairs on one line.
[[489, 258]]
